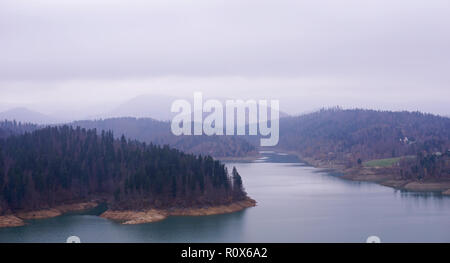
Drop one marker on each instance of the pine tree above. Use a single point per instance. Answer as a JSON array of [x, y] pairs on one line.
[[238, 188], [82, 164]]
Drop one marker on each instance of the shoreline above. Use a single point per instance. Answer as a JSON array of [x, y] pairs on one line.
[[238, 159], [126, 217], [18, 218], [379, 175], [130, 217]]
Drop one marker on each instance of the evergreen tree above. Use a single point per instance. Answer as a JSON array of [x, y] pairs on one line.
[[238, 188], [55, 165]]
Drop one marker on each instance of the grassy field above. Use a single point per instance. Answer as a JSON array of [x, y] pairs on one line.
[[385, 162]]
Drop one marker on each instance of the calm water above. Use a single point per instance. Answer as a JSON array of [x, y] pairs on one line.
[[296, 203]]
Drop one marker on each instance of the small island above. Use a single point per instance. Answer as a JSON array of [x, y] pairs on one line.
[[56, 170]]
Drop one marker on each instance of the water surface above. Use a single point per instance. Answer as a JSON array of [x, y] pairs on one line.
[[296, 203]]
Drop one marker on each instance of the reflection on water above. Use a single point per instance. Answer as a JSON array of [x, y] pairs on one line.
[[296, 203]]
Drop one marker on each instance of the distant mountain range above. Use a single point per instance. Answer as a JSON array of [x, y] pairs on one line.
[[157, 107], [144, 106], [153, 106], [25, 115]]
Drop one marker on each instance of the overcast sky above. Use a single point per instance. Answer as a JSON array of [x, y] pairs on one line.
[[83, 55]]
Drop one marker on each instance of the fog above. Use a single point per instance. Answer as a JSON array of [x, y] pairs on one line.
[[74, 59]]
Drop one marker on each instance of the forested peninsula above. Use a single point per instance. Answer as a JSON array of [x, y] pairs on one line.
[[50, 171]]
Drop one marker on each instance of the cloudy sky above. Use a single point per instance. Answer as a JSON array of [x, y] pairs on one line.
[[87, 55]]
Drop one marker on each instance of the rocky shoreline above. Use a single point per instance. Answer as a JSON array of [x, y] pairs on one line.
[[154, 215], [10, 221], [128, 217], [382, 176], [409, 185], [18, 218]]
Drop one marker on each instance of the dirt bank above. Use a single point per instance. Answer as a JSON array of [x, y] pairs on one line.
[[10, 221], [154, 215], [56, 211], [17, 219], [384, 177]]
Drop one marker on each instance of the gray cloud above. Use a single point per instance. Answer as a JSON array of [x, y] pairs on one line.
[[339, 52]]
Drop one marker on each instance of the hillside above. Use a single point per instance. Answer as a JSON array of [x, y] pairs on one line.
[[144, 106], [27, 116], [153, 106], [415, 143], [158, 132], [59, 165], [366, 134], [152, 131], [8, 128]]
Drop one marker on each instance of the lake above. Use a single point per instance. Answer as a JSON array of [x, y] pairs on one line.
[[296, 203]]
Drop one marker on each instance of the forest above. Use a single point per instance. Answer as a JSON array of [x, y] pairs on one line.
[[352, 137], [8, 128], [364, 134], [435, 166], [151, 131], [59, 165], [158, 132], [42, 167]]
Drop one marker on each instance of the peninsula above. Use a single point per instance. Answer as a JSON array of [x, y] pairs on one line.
[[55, 170]]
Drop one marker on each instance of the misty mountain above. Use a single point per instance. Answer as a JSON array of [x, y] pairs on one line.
[[144, 106], [157, 107], [25, 115]]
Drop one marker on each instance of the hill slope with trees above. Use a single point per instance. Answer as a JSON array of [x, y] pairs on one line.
[[365, 134], [8, 128], [159, 132], [58, 165], [417, 144]]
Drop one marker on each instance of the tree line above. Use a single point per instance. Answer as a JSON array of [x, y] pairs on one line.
[[159, 132], [57, 165], [339, 134], [351, 137]]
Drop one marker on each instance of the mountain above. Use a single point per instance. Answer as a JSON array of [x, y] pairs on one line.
[[59, 165], [156, 107], [27, 116], [144, 106]]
